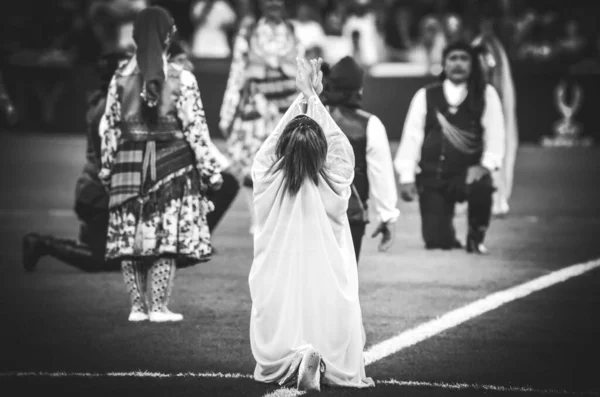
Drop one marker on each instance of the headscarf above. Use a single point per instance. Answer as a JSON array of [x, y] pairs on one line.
[[150, 31]]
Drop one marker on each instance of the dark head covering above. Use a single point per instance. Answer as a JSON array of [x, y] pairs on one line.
[[460, 45], [346, 75], [150, 31], [342, 83]]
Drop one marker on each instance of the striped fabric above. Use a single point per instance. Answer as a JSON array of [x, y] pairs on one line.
[[126, 174], [141, 165]]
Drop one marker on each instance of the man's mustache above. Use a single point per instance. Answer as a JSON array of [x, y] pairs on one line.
[[455, 70]]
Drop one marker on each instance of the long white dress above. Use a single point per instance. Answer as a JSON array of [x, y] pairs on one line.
[[304, 279]]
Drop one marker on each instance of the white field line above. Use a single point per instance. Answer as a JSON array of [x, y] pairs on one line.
[[482, 387], [398, 342], [477, 308], [131, 374], [289, 392]]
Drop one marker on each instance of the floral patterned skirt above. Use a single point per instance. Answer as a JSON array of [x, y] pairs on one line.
[[177, 228]]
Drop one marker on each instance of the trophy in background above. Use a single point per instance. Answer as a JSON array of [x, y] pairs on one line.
[[567, 131]]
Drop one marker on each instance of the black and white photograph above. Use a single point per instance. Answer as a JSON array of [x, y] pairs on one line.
[[284, 198]]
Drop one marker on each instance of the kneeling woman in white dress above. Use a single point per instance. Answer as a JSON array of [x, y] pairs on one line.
[[306, 322]]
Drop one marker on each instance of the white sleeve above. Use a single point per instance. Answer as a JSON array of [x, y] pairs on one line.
[[493, 130], [110, 132], [409, 151], [380, 172], [190, 111]]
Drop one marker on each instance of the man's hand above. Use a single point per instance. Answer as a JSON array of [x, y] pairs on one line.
[[476, 172], [216, 182], [408, 191], [387, 235]]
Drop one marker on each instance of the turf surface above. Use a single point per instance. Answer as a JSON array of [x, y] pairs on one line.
[[61, 319]]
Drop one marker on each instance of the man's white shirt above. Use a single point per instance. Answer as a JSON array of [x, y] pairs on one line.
[[409, 152]]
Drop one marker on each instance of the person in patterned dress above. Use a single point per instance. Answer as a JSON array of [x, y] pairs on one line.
[[158, 168], [260, 87]]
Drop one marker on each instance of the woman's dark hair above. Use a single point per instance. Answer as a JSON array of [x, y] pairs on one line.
[[476, 82], [301, 153], [152, 27]]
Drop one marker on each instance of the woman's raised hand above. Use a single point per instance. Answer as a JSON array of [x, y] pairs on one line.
[[317, 75], [309, 77], [304, 78]]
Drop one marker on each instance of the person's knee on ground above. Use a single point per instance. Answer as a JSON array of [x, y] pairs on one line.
[[437, 217], [71, 252]]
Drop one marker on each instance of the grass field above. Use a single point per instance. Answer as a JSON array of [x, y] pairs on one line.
[[61, 320]]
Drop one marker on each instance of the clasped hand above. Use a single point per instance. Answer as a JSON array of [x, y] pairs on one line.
[[309, 76]]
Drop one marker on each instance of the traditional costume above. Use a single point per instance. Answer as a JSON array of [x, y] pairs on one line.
[[447, 131], [373, 169], [304, 279], [260, 88], [224, 197], [158, 167]]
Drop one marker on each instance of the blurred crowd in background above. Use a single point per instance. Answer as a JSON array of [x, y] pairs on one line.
[[48, 40], [65, 32]]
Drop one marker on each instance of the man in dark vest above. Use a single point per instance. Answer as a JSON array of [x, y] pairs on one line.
[[373, 171], [453, 139]]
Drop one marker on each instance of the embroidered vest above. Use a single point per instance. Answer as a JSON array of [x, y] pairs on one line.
[[133, 127], [445, 154], [353, 122]]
